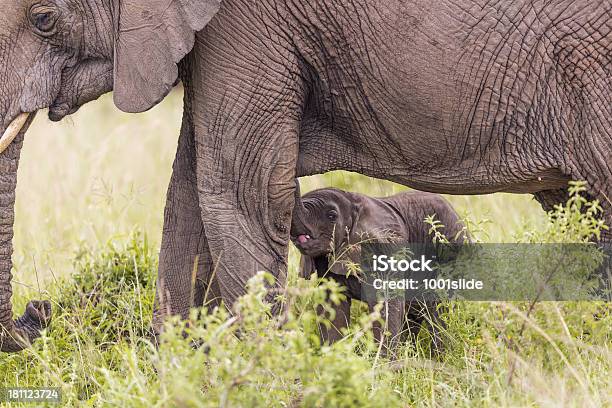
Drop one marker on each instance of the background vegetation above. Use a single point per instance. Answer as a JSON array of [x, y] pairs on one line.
[[85, 188]]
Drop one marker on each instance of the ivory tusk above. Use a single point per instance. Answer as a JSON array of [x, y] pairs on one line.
[[13, 130]]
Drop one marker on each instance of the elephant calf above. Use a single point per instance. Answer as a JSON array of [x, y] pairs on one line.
[[327, 226]]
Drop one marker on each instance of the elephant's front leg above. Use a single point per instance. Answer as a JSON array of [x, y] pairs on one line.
[[246, 198], [180, 285], [246, 145]]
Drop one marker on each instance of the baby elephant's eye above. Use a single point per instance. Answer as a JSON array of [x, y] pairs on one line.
[[332, 215], [43, 18]]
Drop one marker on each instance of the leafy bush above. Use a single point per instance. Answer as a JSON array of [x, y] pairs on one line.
[[118, 282]]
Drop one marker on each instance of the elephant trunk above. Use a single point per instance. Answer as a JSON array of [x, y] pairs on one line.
[[298, 221], [19, 334]]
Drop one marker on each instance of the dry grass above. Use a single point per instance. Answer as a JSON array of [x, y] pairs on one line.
[[97, 174]]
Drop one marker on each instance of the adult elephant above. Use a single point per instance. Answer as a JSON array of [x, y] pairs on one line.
[[460, 97]]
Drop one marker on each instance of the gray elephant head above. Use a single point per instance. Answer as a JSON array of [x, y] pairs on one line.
[[322, 220], [61, 54]]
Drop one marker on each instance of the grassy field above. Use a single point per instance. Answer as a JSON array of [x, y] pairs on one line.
[[88, 225]]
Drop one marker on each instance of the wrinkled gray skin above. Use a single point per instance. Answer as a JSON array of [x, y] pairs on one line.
[[327, 227], [461, 97], [327, 219]]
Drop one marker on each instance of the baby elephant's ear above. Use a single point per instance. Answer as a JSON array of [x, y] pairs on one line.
[[151, 37]]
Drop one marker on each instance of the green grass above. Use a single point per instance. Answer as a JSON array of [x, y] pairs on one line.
[[85, 187], [98, 174]]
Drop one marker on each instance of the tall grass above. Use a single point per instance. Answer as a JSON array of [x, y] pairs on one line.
[[98, 174], [84, 187]]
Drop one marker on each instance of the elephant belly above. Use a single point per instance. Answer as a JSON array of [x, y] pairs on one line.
[[396, 103]]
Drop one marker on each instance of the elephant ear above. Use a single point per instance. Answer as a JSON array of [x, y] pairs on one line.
[[371, 222], [151, 37], [367, 224]]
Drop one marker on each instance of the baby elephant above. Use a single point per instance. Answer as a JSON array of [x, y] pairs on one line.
[[326, 225]]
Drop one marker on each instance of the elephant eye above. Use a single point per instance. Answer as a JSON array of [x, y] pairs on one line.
[[332, 215], [43, 18]]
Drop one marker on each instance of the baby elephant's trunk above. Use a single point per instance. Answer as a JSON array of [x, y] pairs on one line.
[[299, 225]]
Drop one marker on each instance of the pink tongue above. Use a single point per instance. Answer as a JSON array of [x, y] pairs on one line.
[[302, 238]]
